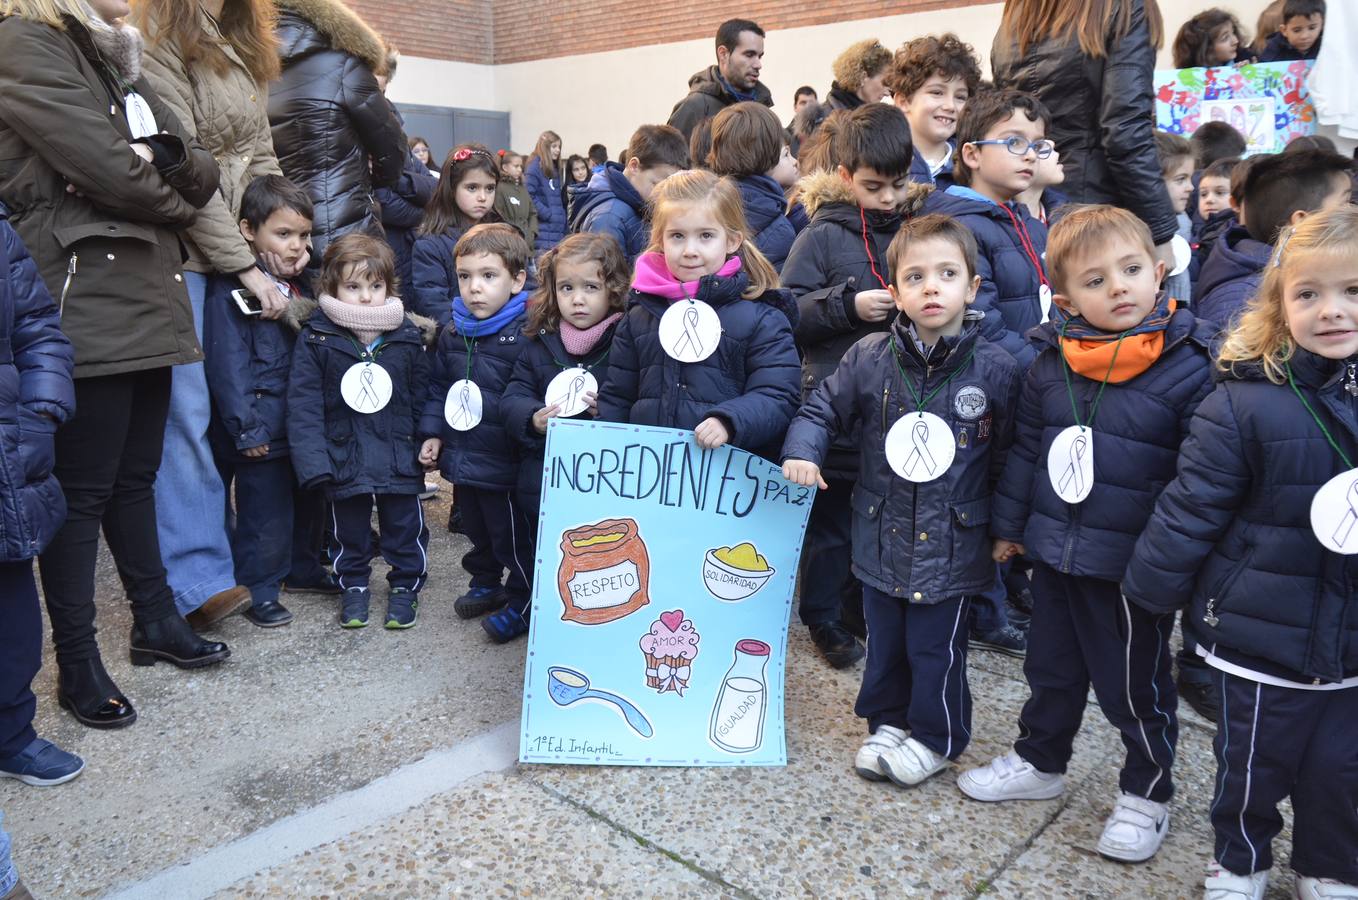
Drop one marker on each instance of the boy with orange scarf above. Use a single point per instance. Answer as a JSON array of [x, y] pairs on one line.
[[1104, 408]]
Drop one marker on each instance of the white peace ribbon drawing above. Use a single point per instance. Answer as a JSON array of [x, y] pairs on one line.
[[690, 331], [1070, 463], [568, 389], [366, 387], [920, 447], [1334, 513], [462, 409]]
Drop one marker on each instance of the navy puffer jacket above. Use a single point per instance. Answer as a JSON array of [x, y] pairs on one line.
[[545, 189], [483, 457], [248, 359], [433, 275], [403, 211], [36, 395], [921, 542], [344, 452], [1230, 276], [751, 381], [920, 173], [766, 212], [1231, 535], [541, 360], [1137, 434], [610, 205], [1009, 280]]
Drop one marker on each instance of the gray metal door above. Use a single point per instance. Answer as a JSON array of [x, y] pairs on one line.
[[445, 127]]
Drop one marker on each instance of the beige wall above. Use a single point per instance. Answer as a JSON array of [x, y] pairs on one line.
[[604, 96]]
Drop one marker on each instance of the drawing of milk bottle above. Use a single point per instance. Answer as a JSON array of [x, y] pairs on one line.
[[738, 716]]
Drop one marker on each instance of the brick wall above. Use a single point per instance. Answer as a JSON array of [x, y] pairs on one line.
[[510, 31]]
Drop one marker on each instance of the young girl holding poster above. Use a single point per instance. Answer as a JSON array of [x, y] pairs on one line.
[[1257, 535], [707, 340]]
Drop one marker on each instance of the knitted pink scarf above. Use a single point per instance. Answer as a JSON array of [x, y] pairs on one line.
[[653, 276], [366, 322], [579, 341]]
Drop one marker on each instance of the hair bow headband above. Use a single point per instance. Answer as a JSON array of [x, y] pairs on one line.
[[467, 153]]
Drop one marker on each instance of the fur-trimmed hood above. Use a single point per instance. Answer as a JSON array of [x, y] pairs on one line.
[[823, 188], [332, 26]]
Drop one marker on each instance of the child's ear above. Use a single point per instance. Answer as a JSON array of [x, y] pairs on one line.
[[1160, 270], [246, 231], [1065, 304], [973, 289], [844, 174], [520, 279], [1297, 217], [733, 241], [633, 166], [970, 155]]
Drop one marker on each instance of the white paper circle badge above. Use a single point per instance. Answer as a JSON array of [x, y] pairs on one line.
[[1070, 464], [1334, 513], [1183, 253], [690, 330], [366, 387], [568, 389], [919, 447], [141, 121], [462, 409]]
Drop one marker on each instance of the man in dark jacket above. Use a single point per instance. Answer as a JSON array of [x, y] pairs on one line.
[[334, 131], [735, 77]]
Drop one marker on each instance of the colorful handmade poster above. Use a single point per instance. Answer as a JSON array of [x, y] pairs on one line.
[[661, 598], [1267, 102]]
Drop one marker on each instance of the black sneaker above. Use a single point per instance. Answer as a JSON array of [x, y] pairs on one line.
[[478, 601], [1008, 640], [402, 605], [1201, 695], [1018, 609], [354, 608], [840, 648]]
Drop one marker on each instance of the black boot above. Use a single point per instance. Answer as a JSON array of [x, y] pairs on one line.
[[87, 691], [172, 640]]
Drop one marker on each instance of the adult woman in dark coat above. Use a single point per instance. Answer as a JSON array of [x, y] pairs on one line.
[[98, 175], [1092, 63]]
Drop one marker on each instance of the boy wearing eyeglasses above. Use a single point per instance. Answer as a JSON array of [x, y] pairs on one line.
[[1000, 138]]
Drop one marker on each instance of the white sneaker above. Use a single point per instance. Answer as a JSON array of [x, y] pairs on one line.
[[1010, 777], [1221, 884], [865, 761], [911, 762], [1324, 889], [1135, 830]]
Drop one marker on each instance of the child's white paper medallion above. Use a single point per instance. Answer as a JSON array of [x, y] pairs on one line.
[[140, 119], [1183, 253], [366, 387], [690, 330], [1070, 464], [920, 447], [1334, 513], [1044, 299], [567, 390], [462, 409]]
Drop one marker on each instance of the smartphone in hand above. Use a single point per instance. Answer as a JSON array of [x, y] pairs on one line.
[[247, 302]]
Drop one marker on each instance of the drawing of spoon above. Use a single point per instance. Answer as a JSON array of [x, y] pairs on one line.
[[567, 686]]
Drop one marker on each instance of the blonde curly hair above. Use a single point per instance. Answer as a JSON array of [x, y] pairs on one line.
[[1261, 335], [859, 62]]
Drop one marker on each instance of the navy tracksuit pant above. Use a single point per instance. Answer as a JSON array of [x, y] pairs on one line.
[[404, 539], [1275, 742], [502, 541], [915, 677], [828, 586], [1085, 632], [22, 657]]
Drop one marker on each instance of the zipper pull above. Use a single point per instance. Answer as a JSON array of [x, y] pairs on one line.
[[70, 270], [1351, 382], [1211, 618]]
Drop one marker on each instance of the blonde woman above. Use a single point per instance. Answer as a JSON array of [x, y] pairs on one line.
[[860, 75]]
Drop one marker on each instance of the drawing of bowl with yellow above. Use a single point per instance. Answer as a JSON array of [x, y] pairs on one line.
[[735, 573]]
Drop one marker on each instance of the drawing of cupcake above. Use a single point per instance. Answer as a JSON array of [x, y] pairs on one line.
[[670, 648]]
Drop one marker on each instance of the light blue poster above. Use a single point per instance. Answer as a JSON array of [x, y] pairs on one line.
[[660, 602]]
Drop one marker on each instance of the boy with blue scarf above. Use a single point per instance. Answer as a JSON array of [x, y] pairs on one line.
[[464, 425]]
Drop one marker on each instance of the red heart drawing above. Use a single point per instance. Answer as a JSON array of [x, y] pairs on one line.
[[672, 620]]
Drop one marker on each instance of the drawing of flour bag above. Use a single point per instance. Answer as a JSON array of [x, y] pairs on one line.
[[605, 572]]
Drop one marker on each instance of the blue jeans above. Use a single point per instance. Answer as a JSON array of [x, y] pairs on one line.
[[8, 876], [189, 494], [987, 608]]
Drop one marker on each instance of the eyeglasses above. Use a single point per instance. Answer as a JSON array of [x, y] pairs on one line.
[[1019, 147]]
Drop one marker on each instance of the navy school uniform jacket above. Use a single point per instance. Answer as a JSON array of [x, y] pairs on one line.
[[751, 382], [1277, 49], [923, 543], [1231, 276], [609, 204], [1231, 536], [766, 212], [842, 252], [402, 212], [920, 174], [434, 275], [483, 457], [1137, 433], [542, 359], [248, 360], [345, 452], [1009, 280], [545, 189]]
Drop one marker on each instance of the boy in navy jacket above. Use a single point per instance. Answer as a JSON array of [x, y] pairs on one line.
[[464, 430], [248, 359], [838, 273], [1299, 37], [1104, 408], [931, 79], [1001, 136], [932, 360], [747, 144], [614, 201]]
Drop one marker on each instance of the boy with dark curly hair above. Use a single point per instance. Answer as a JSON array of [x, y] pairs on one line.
[[930, 80]]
